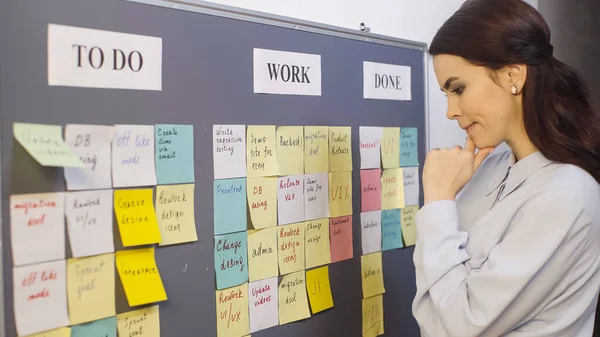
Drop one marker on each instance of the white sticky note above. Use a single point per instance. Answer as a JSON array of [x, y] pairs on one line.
[[411, 185], [90, 222], [91, 143], [370, 224], [290, 199], [316, 196], [40, 297], [37, 227], [291, 73], [229, 151], [263, 304], [386, 81], [370, 147], [133, 156]]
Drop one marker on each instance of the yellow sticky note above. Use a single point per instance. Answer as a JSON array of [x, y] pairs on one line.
[[316, 149], [340, 148], [392, 189], [60, 332], [372, 313], [46, 145], [319, 289], [91, 288], [409, 229], [232, 311], [262, 254], [175, 213], [143, 322], [140, 277], [372, 275], [340, 194], [136, 218], [390, 148], [290, 150], [262, 201], [293, 301], [261, 151], [317, 243], [290, 242]]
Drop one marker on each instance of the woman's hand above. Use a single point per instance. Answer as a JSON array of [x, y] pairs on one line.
[[447, 171]]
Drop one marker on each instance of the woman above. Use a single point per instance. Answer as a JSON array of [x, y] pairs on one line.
[[517, 252]]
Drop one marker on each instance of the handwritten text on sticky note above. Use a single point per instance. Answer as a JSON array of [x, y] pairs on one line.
[[133, 156], [291, 248], [340, 149], [372, 275], [340, 233], [45, 144], [340, 194], [232, 311], [290, 150], [390, 148], [370, 147], [372, 314], [142, 322], [140, 276], [261, 151], [91, 143], [174, 153], [262, 201], [229, 205], [317, 243], [264, 311], [262, 254], [231, 259], [175, 213], [391, 232], [392, 189], [136, 217], [409, 230], [319, 289], [371, 231], [370, 189], [290, 199], [316, 149], [408, 147], [293, 300], [316, 196], [229, 151]]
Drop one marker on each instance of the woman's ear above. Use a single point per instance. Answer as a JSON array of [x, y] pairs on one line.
[[515, 77]]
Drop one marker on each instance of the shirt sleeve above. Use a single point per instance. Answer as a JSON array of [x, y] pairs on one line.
[[545, 235]]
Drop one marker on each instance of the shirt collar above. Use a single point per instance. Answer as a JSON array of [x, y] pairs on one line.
[[515, 172]]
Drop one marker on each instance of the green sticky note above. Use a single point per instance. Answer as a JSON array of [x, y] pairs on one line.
[[230, 205], [46, 145], [391, 230], [103, 328], [174, 153], [231, 259], [408, 147]]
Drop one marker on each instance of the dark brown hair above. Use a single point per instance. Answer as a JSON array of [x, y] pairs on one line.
[[557, 112]]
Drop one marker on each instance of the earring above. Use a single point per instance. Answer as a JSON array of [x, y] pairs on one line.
[[514, 89]]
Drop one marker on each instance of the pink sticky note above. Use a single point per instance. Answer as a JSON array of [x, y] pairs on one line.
[[370, 190], [341, 238]]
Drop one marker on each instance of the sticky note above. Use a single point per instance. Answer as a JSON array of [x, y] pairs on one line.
[[410, 176], [230, 206], [317, 243], [319, 289], [293, 300], [370, 224], [392, 189], [340, 149], [133, 156], [231, 259], [316, 196], [290, 199], [340, 194], [91, 288], [40, 297], [229, 151], [174, 155], [291, 248], [290, 150], [103, 328], [372, 316], [391, 231], [261, 151], [370, 146], [262, 254], [90, 222], [232, 311], [370, 190], [263, 304], [136, 322], [409, 229], [175, 214], [136, 217], [390, 148], [91, 144], [408, 147], [60, 332], [316, 149], [140, 276], [340, 233], [45, 144], [262, 201], [372, 274], [37, 226]]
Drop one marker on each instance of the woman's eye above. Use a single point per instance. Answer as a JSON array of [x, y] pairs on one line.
[[458, 90]]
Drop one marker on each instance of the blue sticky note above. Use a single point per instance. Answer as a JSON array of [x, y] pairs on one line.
[[230, 205], [391, 231], [231, 260], [174, 153], [409, 154], [103, 328]]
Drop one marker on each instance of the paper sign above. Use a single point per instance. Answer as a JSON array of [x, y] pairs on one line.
[[293, 300], [140, 276], [411, 185], [291, 248], [230, 206], [390, 148], [231, 259], [392, 189], [229, 151], [262, 201], [372, 315], [262, 254], [60, 332], [91, 288], [372, 275], [319, 289], [317, 243], [103, 328], [133, 156], [371, 232], [91, 143], [290, 150], [37, 227], [142, 322], [340, 194], [390, 229], [261, 151], [409, 230], [386, 81], [174, 155], [316, 196], [290, 199], [370, 189], [136, 217], [408, 147], [340, 233], [340, 149], [90, 222], [45, 144], [40, 297], [175, 213], [370, 147], [316, 149], [263, 304], [286, 73], [232, 311]]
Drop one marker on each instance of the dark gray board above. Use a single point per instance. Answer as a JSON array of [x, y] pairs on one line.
[[207, 79]]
